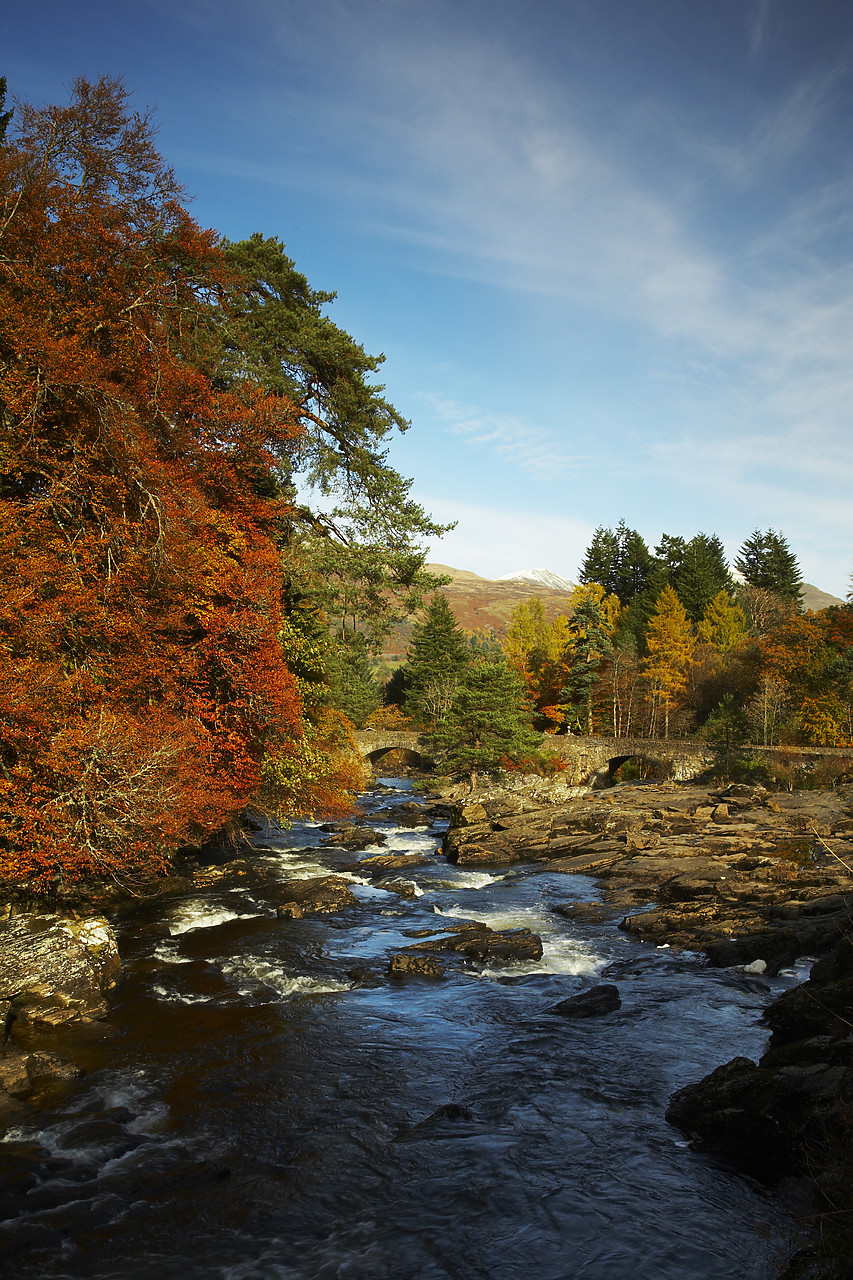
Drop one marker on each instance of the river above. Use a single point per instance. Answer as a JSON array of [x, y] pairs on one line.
[[264, 1113]]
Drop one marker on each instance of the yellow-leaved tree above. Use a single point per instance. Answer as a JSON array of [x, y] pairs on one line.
[[670, 643], [724, 623]]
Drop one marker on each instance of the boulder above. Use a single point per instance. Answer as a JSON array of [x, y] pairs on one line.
[[347, 836], [388, 862], [479, 942], [403, 888], [590, 1004], [315, 896], [585, 912], [405, 965], [54, 970]]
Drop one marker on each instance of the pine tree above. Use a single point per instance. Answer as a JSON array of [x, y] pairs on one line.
[[488, 720], [619, 560], [438, 655], [590, 644], [670, 645], [703, 573], [766, 561]]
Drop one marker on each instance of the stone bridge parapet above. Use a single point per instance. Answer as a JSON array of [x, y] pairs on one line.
[[591, 761]]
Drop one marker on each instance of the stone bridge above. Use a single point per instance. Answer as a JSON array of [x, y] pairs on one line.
[[376, 743], [591, 761]]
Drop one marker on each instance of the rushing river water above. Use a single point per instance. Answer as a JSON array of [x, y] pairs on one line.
[[265, 1112]]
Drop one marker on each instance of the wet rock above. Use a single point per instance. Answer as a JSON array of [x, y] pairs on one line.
[[388, 862], [584, 912], [778, 1117], [237, 872], [732, 1110], [590, 1004], [347, 836], [14, 1077], [21, 1072], [55, 970], [477, 941], [407, 814], [318, 895], [406, 965], [403, 888]]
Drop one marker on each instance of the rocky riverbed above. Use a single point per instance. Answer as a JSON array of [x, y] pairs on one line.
[[749, 878]]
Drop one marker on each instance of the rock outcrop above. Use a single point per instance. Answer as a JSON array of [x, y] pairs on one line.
[[787, 1113], [54, 972], [720, 865]]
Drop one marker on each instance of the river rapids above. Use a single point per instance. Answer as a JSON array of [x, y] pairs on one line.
[[267, 1110]]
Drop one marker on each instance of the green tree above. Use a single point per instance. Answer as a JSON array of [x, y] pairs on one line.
[[670, 553], [352, 686], [702, 574], [619, 560], [589, 646], [488, 720], [360, 529], [670, 644], [438, 655], [766, 561]]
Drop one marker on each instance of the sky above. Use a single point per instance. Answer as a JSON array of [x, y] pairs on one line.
[[604, 245]]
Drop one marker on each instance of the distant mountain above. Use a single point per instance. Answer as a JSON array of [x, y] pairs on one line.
[[486, 603], [540, 577], [814, 598]]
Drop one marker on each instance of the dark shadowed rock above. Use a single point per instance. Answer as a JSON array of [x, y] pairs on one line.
[[590, 1004]]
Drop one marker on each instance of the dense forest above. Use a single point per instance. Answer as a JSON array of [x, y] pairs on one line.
[[651, 643]]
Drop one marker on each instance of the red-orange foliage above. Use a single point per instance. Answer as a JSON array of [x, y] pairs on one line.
[[141, 674]]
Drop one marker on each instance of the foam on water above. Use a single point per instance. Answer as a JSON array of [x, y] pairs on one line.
[[446, 878], [167, 952], [249, 972], [199, 915], [561, 953]]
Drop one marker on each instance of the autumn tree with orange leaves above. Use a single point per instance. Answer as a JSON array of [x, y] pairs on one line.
[[144, 688]]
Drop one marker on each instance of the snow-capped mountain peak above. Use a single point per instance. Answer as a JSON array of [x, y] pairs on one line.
[[541, 577]]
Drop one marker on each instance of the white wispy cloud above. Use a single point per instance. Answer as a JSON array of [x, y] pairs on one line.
[[539, 451]]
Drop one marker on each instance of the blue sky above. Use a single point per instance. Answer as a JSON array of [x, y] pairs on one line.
[[605, 245]]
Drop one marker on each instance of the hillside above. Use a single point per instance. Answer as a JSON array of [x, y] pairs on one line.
[[483, 603]]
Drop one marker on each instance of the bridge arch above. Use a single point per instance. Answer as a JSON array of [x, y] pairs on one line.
[[407, 755], [606, 775]]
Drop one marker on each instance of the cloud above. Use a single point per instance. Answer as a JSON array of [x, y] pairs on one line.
[[539, 451], [493, 541], [758, 27]]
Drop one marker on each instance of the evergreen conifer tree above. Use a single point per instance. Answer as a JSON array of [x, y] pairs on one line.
[[702, 574], [488, 720], [589, 645], [619, 560], [766, 561], [438, 655]]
